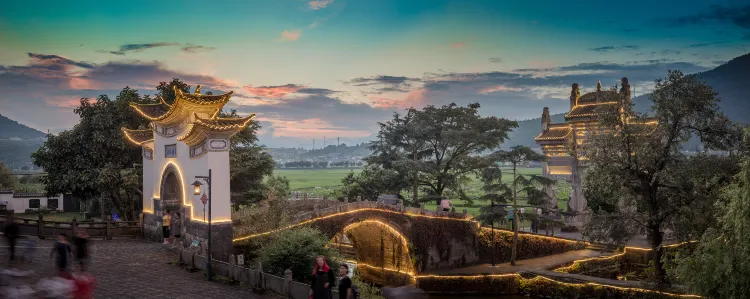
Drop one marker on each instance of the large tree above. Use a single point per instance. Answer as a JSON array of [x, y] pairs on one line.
[[636, 178], [719, 267], [87, 160], [525, 186], [447, 142]]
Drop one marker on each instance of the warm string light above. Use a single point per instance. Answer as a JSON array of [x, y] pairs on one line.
[[540, 236], [347, 213], [393, 230], [127, 133], [618, 288], [619, 255]]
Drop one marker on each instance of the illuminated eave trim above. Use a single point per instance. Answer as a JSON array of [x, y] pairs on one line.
[[127, 132], [202, 127]]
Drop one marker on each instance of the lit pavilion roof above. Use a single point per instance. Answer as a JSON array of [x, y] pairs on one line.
[[184, 104], [201, 111], [588, 110], [203, 128], [556, 132], [138, 137]]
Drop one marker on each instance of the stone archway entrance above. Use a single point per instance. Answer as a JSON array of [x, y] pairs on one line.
[[171, 190]]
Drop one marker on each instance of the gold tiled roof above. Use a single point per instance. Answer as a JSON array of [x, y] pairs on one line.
[[202, 128], [138, 137], [599, 97], [555, 132], [151, 111], [587, 110], [184, 102]]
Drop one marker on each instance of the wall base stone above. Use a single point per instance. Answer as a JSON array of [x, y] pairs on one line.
[[221, 238]]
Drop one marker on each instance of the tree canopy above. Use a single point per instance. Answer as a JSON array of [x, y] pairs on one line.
[[437, 146], [638, 175], [6, 177]]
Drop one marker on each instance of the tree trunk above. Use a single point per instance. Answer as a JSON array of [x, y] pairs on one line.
[[514, 250], [655, 239], [415, 188], [101, 206]]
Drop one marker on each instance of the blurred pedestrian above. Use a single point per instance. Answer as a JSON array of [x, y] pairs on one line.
[[11, 235], [84, 283], [346, 287], [62, 253], [177, 230], [323, 278], [81, 243], [166, 223], [406, 292]]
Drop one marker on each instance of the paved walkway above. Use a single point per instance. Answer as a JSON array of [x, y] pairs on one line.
[[541, 263], [135, 269]]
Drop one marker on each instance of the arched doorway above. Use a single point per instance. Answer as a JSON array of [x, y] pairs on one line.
[[171, 190]]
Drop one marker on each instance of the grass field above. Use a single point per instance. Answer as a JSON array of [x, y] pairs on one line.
[[311, 178]]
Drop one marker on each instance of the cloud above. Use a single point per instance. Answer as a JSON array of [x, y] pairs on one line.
[[459, 44], [317, 5], [491, 89], [496, 60], [273, 92], [190, 48], [57, 60], [739, 16], [614, 49], [293, 35], [124, 49], [703, 45], [384, 83]]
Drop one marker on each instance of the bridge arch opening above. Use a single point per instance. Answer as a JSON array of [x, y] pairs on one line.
[[380, 250]]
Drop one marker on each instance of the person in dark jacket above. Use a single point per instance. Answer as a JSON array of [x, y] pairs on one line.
[[322, 281], [11, 234]]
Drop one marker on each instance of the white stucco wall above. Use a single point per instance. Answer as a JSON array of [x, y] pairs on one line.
[[20, 204], [187, 169]]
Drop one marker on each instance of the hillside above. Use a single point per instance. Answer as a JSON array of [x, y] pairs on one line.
[[730, 80], [11, 129], [17, 142]]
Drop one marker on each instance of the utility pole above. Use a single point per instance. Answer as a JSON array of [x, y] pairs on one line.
[[313, 144], [338, 141], [324, 141]]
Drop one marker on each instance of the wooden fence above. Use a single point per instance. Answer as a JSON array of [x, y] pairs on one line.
[[49, 229]]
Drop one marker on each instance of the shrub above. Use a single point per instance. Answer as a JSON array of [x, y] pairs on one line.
[[296, 249]]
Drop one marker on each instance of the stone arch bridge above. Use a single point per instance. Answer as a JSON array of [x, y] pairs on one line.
[[393, 244]]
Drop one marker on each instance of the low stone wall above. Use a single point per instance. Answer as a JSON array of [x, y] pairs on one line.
[[151, 228], [221, 238]]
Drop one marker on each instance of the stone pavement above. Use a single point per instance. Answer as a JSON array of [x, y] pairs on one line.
[[534, 264], [135, 269]]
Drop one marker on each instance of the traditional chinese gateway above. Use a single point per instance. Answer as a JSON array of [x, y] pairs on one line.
[[564, 144], [186, 139]]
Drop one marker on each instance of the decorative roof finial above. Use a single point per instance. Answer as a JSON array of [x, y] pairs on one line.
[[599, 85], [198, 90]]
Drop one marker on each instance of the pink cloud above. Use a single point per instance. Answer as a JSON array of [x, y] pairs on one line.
[[289, 36], [316, 5], [83, 83], [273, 92], [306, 128], [63, 101], [414, 98], [495, 88], [459, 45]]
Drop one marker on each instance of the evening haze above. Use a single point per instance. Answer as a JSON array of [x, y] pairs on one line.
[[315, 69]]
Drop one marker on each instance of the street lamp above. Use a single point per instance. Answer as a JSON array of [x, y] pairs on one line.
[[197, 191]]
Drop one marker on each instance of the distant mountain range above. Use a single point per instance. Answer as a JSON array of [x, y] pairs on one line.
[[17, 142], [731, 80]]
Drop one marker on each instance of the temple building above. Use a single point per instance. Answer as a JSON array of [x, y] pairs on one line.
[[564, 144], [184, 140]]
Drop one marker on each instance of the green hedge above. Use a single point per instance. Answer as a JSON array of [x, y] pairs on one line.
[[529, 246]]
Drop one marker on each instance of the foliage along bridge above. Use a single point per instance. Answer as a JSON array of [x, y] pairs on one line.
[[394, 244]]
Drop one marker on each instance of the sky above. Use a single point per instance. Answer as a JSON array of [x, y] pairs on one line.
[[334, 68]]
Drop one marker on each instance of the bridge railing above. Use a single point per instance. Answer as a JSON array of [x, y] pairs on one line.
[[350, 207]]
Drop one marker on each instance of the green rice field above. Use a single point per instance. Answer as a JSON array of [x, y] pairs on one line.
[[329, 179]]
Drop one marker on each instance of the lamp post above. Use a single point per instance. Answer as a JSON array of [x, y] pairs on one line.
[[196, 191]]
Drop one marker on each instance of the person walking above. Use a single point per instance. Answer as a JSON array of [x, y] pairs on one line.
[[11, 235], [177, 229], [166, 223], [346, 290], [63, 255], [323, 277], [81, 242]]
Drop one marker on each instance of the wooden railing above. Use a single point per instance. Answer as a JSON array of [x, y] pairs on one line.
[[48, 229]]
